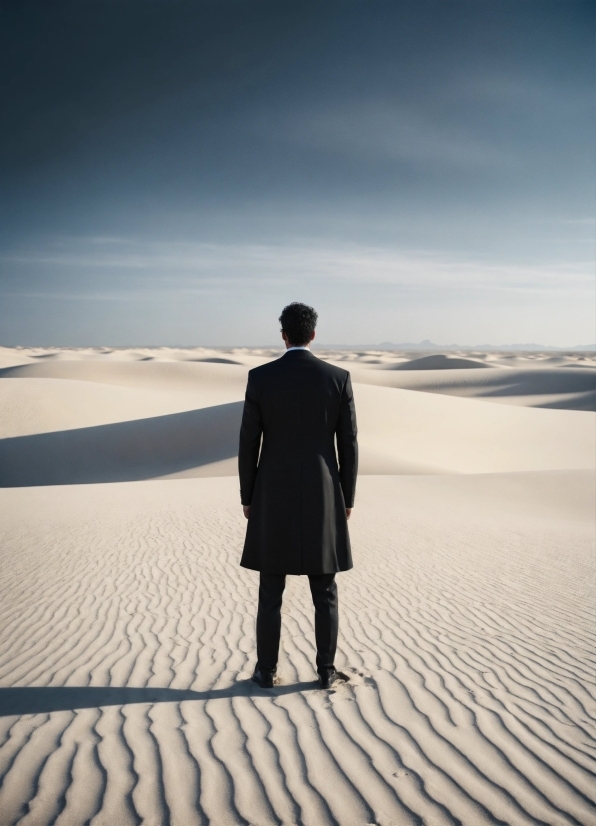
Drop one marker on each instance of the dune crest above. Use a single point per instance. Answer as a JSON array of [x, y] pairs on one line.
[[123, 451], [438, 362]]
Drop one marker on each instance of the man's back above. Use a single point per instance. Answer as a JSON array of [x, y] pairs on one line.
[[298, 495], [295, 494]]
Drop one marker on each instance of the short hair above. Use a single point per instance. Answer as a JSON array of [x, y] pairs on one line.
[[298, 322]]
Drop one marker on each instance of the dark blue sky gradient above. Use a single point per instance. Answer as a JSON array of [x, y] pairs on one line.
[[175, 172]]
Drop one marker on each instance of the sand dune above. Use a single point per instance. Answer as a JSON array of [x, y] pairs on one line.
[[438, 362], [18, 356], [128, 626], [400, 431], [30, 406], [405, 431], [556, 388], [138, 449], [186, 376]]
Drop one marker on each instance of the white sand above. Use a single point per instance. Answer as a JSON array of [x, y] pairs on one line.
[[128, 626]]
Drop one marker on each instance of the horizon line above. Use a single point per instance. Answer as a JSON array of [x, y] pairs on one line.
[[384, 345]]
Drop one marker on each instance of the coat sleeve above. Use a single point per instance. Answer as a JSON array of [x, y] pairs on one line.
[[347, 444], [250, 442]]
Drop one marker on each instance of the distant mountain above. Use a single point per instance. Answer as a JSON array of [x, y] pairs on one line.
[[427, 345]]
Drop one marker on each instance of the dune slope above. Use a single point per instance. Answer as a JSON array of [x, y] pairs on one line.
[[439, 362], [401, 431], [30, 406], [138, 449], [168, 376], [561, 388]]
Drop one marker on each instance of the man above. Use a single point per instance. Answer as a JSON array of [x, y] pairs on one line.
[[296, 491]]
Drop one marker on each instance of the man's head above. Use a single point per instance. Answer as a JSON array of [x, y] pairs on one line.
[[298, 322]]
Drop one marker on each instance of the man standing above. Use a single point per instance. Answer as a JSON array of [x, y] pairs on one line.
[[296, 490]]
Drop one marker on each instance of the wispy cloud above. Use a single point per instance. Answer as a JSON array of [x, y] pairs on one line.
[[151, 267]]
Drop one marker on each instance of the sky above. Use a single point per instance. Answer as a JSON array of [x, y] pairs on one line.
[[175, 172]]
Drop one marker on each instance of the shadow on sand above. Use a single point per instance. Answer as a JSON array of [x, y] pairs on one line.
[[43, 700], [124, 451], [577, 388]]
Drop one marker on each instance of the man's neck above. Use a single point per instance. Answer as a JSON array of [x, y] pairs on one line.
[[298, 347]]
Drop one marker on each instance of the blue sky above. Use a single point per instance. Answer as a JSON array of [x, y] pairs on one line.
[[175, 172]]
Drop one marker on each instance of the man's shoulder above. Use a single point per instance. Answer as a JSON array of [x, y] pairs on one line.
[[266, 369], [333, 370], [271, 369]]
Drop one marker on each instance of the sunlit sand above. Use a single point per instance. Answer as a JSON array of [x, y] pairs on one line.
[[128, 626]]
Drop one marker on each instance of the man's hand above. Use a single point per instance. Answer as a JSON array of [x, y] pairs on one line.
[[348, 512]]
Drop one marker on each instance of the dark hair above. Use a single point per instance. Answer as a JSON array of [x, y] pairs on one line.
[[298, 322]]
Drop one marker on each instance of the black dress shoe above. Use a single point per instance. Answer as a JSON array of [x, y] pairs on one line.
[[262, 677], [330, 676]]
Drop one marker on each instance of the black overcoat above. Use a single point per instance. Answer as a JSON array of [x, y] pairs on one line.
[[295, 411]]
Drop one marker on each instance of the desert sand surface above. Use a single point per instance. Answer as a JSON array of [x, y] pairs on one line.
[[466, 625]]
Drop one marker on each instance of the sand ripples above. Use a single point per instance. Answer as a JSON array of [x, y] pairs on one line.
[[128, 645]]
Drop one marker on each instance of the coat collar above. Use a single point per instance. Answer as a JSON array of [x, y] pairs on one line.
[[297, 354]]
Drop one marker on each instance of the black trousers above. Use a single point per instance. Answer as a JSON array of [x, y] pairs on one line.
[[324, 596]]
